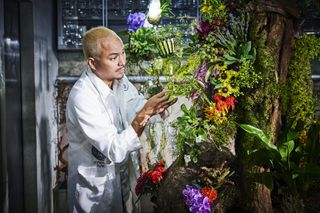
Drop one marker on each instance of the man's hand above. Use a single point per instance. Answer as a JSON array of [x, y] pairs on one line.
[[156, 104]]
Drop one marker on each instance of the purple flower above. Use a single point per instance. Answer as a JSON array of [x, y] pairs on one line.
[[135, 21], [201, 74], [205, 28], [196, 202], [216, 72], [194, 95]]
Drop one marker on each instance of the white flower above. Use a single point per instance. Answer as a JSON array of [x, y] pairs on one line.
[[147, 24], [187, 159], [198, 139]]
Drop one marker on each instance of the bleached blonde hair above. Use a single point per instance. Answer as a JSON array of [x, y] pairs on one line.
[[91, 42]]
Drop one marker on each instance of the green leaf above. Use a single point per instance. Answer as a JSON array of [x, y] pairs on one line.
[[230, 58], [267, 179], [263, 157], [247, 48], [202, 134], [285, 149], [260, 134], [208, 73], [292, 135], [184, 108]]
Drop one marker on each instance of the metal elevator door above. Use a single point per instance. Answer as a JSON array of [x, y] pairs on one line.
[[3, 156], [13, 105]]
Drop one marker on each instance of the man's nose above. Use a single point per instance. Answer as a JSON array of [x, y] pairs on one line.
[[122, 60]]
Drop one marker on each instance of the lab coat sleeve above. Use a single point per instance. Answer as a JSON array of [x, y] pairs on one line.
[[96, 124], [135, 101]]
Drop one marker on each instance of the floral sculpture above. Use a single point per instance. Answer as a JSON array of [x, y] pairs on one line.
[[221, 66], [217, 72]]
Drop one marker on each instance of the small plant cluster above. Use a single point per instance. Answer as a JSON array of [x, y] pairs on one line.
[[150, 181], [147, 40], [203, 193], [294, 164]]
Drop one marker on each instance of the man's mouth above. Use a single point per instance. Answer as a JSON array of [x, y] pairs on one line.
[[120, 70]]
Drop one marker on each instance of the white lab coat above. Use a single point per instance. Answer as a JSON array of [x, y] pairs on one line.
[[95, 123]]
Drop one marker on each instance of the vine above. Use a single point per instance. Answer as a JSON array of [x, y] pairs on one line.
[[300, 104]]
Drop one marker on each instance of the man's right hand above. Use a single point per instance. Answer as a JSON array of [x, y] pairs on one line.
[[156, 104]]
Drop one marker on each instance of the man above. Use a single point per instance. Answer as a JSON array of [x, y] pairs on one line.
[[105, 117]]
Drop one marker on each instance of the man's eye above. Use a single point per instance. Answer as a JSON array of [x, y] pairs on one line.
[[114, 58]]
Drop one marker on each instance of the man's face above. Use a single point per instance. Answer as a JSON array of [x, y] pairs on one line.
[[110, 65]]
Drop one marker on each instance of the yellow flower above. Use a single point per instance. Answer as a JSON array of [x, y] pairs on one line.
[[221, 7], [204, 9], [225, 76], [226, 89], [221, 68]]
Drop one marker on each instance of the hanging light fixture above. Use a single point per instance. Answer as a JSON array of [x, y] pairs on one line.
[[154, 12]]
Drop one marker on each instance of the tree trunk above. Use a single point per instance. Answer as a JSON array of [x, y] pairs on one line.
[[276, 22]]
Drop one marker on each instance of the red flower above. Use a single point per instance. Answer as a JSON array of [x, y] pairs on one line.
[[217, 97], [149, 181], [222, 103], [209, 192], [230, 102], [155, 176], [140, 182], [160, 169]]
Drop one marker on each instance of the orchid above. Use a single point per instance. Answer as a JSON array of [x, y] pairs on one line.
[[195, 200], [135, 21]]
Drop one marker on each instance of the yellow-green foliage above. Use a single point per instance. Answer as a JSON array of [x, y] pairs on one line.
[[248, 77], [299, 100], [189, 68], [259, 98]]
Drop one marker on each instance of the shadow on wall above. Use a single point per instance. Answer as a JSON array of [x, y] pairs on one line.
[[45, 165]]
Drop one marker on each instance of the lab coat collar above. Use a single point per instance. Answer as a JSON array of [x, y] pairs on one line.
[[104, 91], [101, 87]]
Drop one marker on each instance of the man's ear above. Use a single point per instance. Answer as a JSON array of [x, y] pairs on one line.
[[91, 64]]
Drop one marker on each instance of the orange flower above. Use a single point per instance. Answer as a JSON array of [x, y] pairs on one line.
[[221, 106], [209, 192], [211, 113], [160, 162]]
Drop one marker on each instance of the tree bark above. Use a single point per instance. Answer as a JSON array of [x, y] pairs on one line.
[[278, 21]]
